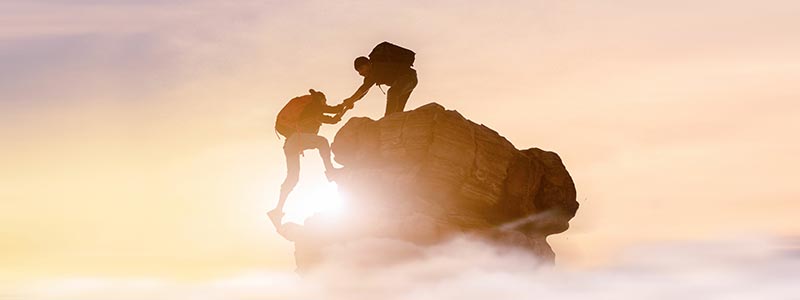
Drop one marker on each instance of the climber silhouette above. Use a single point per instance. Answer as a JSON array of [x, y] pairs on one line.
[[387, 64], [299, 121]]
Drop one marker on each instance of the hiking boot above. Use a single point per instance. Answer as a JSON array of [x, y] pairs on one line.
[[275, 216], [333, 173]]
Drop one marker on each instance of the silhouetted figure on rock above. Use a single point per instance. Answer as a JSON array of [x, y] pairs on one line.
[[387, 64], [429, 175], [299, 121]]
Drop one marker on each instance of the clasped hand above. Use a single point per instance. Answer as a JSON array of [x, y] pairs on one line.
[[348, 103]]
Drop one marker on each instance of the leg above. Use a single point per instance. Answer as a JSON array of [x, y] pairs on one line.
[[292, 177], [325, 153], [412, 77], [402, 100], [391, 99], [292, 152], [398, 94], [313, 141], [320, 143]]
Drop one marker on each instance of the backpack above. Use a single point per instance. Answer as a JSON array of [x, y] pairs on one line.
[[288, 121], [390, 53]]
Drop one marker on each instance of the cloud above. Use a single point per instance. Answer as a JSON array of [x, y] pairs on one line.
[[464, 269]]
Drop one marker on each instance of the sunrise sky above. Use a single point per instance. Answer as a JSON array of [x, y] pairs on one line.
[[136, 136]]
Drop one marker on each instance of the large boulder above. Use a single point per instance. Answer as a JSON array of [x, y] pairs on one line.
[[428, 174]]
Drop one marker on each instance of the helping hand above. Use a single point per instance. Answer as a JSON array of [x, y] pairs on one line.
[[338, 117], [348, 103]]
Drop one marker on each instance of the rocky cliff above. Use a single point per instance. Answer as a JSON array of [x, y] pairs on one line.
[[429, 174]]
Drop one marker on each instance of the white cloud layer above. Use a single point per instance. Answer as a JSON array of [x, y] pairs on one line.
[[462, 269]]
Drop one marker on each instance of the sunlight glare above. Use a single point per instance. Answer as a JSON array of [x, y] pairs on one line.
[[322, 197]]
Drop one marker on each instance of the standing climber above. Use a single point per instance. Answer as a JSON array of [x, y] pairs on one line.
[[387, 64], [299, 121]]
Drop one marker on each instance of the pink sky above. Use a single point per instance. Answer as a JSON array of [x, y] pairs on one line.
[[137, 136]]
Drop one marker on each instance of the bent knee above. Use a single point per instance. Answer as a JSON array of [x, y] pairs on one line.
[[322, 143]]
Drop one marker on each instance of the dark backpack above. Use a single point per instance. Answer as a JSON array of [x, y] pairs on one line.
[[390, 53], [288, 121]]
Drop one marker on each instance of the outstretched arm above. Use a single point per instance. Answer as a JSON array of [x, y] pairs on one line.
[[332, 109], [360, 93]]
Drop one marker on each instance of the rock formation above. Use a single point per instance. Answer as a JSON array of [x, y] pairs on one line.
[[428, 174]]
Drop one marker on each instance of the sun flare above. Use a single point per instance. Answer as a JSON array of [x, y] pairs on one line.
[[320, 197]]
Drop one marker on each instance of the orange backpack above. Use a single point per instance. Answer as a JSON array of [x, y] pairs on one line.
[[288, 121]]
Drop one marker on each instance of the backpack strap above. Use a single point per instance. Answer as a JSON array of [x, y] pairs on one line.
[[379, 86]]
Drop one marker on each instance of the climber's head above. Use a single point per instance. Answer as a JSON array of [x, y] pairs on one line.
[[362, 65], [319, 96]]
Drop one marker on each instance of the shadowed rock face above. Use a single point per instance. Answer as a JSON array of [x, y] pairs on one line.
[[428, 174]]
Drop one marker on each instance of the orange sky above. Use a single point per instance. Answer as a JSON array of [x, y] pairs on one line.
[[137, 136]]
